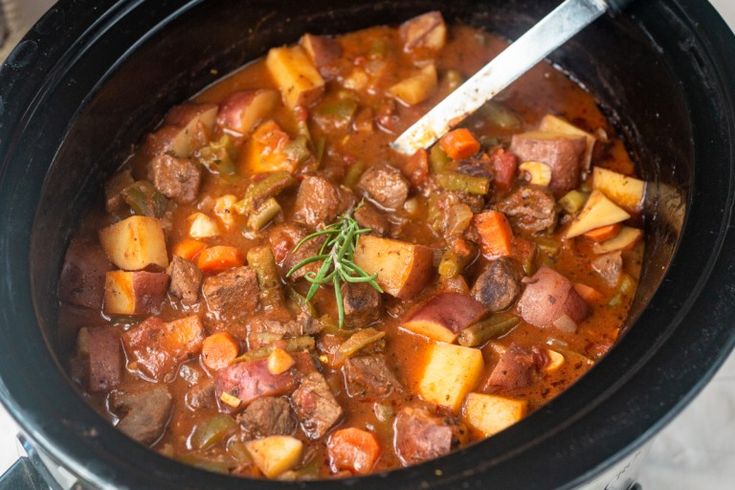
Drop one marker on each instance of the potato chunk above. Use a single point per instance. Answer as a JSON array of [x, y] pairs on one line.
[[135, 243], [134, 293], [554, 124], [403, 268], [598, 211], [625, 191], [275, 455], [242, 111], [451, 372], [415, 89], [296, 76], [489, 414], [186, 128]]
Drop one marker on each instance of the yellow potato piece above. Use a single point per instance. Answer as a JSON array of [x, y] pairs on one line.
[[135, 243], [275, 455], [417, 88], [556, 360], [598, 211], [624, 240], [202, 226], [451, 372], [625, 191], [296, 76], [489, 414]]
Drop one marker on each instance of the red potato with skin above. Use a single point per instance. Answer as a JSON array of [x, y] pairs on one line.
[[82, 280], [563, 153], [134, 293], [247, 381], [100, 349], [324, 52], [185, 129], [548, 298], [243, 111], [445, 315], [426, 31]]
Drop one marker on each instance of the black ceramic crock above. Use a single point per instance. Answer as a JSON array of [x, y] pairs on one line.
[[94, 75]]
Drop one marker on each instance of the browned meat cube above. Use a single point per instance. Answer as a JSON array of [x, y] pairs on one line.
[[201, 395], [318, 201], [315, 406], [143, 414], [283, 239], [609, 267], [516, 368], [368, 216], [82, 280], [385, 185], [186, 279], [156, 348], [248, 381], [268, 416], [176, 178], [369, 378], [550, 300], [498, 285], [420, 436], [362, 304], [302, 325], [564, 154], [324, 52], [100, 350], [231, 295], [530, 209]]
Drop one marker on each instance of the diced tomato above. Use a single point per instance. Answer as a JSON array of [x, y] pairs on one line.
[[504, 165]]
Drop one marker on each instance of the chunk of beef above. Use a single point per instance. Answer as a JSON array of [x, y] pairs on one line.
[[186, 279], [201, 395], [498, 285], [369, 378], [426, 31], [231, 295], [82, 280], [283, 239], [550, 299], [143, 414], [318, 201], [516, 368], [504, 165], [385, 185], [99, 348], [315, 406], [156, 348], [609, 267], [368, 216], [420, 436], [325, 52], [530, 209], [175, 178], [113, 190], [564, 154], [362, 304], [268, 416], [304, 324], [250, 380]]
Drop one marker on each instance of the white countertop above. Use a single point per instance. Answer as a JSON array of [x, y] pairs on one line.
[[697, 450]]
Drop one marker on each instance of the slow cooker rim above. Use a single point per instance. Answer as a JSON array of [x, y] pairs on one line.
[[18, 413]]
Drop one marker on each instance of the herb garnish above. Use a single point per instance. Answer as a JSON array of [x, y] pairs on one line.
[[337, 257]]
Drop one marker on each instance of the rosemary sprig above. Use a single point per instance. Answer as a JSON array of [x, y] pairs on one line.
[[337, 257]]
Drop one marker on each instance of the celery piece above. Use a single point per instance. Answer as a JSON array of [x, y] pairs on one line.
[[458, 182], [335, 113], [217, 156], [438, 160], [297, 150], [573, 201], [451, 264], [212, 431], [260, 191], [547, 245], [144, 199]]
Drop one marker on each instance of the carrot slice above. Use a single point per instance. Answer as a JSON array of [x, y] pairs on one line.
[[219, 350], [219, 258], [459, 144], [604, 232], [588, 293], [495, 234], [354, 450], [188, 248]]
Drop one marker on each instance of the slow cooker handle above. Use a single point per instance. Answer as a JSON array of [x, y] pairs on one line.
[[23, 475]]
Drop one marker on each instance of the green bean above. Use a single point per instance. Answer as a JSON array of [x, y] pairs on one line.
[[212, 431], [357, 342], [573, 201], [259, 191], [496, 326], [294, 344], [337, 113], [438, 160], [144, 199], [302, 303], [261, 259], [297, 150], [451, 264], [458, 182], [354, 172], [264, 214]]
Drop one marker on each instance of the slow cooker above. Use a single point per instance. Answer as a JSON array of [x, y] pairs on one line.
[[93, 76]]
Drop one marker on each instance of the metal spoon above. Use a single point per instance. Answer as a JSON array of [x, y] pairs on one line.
[[551, 32]]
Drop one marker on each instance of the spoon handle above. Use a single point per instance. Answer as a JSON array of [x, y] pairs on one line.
[[552, 31]]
